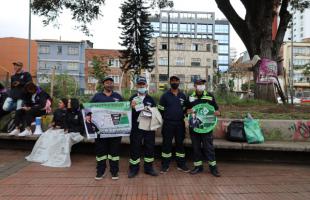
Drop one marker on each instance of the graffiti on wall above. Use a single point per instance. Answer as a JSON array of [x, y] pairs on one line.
[[301, 130]]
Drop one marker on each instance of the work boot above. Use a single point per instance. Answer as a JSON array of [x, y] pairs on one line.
[[99, 175], [183, 168], [164, 169], [196, 170], [133, 172], [115, 176], [150, 171], [214, 171]]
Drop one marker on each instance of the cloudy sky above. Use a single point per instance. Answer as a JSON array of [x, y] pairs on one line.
[[14, 22]]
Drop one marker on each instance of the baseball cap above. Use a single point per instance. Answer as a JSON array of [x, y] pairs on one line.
[[141, 79], [18, 63]]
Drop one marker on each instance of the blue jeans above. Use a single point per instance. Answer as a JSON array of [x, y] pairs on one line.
[[11, 104]]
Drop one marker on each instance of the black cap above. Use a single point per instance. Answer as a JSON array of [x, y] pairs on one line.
[[197, 81], [174, 77], [107, 78], [141, 79], [89, 114]]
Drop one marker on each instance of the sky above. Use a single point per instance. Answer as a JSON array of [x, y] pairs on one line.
[[14, 16]]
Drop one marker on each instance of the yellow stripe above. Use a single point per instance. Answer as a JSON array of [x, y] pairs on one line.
[[101, 158], [198, 163], [166, 155]]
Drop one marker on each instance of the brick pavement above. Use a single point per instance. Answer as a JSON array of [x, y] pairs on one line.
[[244, 181]]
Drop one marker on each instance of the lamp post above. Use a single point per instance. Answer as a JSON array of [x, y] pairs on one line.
[[29, 35], [168, 44], [292, 62]]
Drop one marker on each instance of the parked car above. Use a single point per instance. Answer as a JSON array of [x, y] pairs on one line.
[[295, 100], [305, 100]]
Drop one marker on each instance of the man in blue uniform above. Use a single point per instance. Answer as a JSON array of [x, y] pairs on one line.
[[138, 102], [107, 148], [172, 107], [201, 96]]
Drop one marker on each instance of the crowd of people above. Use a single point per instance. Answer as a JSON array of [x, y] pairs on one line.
[[67, 127]]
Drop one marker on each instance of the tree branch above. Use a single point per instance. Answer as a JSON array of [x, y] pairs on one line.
[[236, 21], [285, 18]]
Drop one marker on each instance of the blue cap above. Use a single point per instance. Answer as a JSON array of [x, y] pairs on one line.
[[141, 79], [197, 81], [107, 78]]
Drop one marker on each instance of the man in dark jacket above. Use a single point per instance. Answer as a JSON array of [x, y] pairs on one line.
[[139, 136], [17, 93], [107, 148], [3, 96], [36, 105]]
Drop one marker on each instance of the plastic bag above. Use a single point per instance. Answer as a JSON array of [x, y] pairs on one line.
[[253, 131]]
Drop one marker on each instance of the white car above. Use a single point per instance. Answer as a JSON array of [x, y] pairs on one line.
[[295, 100]]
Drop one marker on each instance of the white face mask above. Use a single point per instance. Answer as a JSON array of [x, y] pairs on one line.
[[201, 88]]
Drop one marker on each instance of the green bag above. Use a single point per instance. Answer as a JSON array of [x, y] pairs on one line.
[[253, 131]]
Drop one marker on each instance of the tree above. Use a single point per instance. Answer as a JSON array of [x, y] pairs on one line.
[[255, 30], [136, 36], [83, 11], [306, 70], [99, 70]]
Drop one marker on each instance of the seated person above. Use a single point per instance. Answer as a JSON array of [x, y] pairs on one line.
[[54, 146], [37, 103], [3, 96]]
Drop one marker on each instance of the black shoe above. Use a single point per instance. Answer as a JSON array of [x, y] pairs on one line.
[[214, 171], [183, 168], [99, 176], [132, 173], [196, 170], [164, 169], [115, 176], [151, 172]]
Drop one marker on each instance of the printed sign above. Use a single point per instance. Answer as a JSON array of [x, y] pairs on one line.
[[112, 119], [202, 120]]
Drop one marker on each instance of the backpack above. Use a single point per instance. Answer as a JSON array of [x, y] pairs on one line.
[[235, 131]]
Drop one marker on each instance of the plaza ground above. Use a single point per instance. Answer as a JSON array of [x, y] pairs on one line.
[[20, 179]]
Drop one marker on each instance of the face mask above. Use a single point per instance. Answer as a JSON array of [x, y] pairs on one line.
[[108, 88], [142, 90], [174, 85], [201, 88]]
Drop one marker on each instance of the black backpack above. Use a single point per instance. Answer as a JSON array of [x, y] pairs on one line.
[[235, 131]]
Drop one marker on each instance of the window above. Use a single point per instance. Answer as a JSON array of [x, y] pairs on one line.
[[223, 59], [180, 46], [163, 77], [221, 28], [163, 61], [44, 49], [187, 27], [90, 63], [92, 80], [180, 62], [59, 50], [210, 28], [202, 28], [173, 28], [194, 47], [155, 26], [223, 49], [164, 27], [164, 46], [43, 65], [194, 78], [114, 62], [214, 48], [195, 62], [214, 63], [73, 50], [221, 38], [115, 78], [73, 66], [208, 47]]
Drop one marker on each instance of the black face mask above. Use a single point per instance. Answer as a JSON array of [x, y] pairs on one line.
[[174, 85], [108, 88]]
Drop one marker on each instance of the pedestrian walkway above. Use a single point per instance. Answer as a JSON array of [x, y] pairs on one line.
[[239, 181]]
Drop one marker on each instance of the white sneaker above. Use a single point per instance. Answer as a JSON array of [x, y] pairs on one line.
[[26, 132], [14, 132]]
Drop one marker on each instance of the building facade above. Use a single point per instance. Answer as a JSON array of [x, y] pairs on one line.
[[112, 59], [301, 59], [200, 25], [66, 57], [16, 49], [189, 59]]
